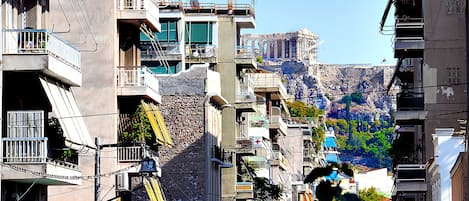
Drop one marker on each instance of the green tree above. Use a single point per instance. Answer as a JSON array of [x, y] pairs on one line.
[[357, 97], [370, 194]]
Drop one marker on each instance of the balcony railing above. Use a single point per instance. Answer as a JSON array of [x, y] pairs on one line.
[[40, 41], [276, 120], [168, 50], [410, 173], [244, 52], [201, 51], [269, 82], [136, 5], [137, 76], [410, 101], [25, 150], [130, 154], [221, 156]]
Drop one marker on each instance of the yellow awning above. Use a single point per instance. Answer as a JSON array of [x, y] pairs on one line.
[[156, 187], [149, 189], [162, 125], [153, 123]]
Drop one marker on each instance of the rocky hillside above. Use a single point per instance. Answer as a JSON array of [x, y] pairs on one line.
[[323, 85]]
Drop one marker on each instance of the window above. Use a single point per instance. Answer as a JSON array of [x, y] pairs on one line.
[[199, 33], [168, 32], [454, 75]]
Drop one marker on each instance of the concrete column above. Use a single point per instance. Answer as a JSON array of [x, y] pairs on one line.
[[275, 48], [267, 49], [283, 48], [261, 48], [290, 49]]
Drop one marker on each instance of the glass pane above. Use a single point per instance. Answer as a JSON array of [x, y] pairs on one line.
[[199, 33]]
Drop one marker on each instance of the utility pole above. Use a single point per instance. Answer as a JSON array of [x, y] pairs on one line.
[[97, 169]]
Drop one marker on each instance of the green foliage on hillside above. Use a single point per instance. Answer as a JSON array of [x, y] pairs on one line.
[[370, 194], [356, 97], [365, 140], [301, 110]]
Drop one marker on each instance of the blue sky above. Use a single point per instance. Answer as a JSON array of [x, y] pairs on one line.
[[348, 29]]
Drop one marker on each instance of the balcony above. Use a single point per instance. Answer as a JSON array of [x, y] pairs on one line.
[[410, 178], [130, 154], [137, 81], [201, 53], [269, 83], [244, 190], [170, 52], [409, 38], [280, 160], [136, 11], [39, 50], [276, 121], [27, 152], [410, 101], [307, 135], [245, 57], [245, 97]]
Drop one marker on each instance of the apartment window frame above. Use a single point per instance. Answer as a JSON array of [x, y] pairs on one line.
[[193, 29]]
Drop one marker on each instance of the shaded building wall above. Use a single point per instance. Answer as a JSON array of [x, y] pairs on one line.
[[92, 27], [444, 69]]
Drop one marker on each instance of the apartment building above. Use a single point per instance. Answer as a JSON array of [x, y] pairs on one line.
[[44, 135], [47, 44], [429, 45]]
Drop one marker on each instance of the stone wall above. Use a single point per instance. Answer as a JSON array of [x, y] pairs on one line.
[[183, 166]]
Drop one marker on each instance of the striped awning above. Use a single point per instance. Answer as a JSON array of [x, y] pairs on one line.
[[152, 186], [65, 108], [157, 124]]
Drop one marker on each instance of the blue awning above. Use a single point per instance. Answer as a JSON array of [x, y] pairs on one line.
[[330, 142], [332, 158]]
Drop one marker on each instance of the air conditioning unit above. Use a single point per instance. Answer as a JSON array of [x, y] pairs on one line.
[[122, 182]]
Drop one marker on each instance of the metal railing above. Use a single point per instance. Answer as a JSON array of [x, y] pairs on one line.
[[201, 51], [245, 52], [137, 5], [40, 41], [169, 49], [268, 80], [130, 154], [136, 76], [410, 101], [25, 150]]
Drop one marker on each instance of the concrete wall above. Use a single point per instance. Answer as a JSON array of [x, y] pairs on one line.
[[92, 28], [227, 69], [444, 60]]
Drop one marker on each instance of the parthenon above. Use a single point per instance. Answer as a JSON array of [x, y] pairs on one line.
[[299, 46]]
